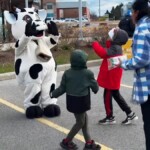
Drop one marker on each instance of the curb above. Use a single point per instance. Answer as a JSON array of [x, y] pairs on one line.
[[11, 75]]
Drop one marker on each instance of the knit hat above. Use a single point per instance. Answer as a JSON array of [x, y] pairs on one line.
[[111, 33], [118, 36]]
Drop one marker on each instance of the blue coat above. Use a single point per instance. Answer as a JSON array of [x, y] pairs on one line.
[[140, 62]]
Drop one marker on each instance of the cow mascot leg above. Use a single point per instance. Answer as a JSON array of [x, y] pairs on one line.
[[35, 67]]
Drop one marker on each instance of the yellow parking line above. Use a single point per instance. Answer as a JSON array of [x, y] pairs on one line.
[[48, 123]]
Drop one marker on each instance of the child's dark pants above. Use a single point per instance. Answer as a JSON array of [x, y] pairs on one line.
[[108, 95], [81, 123]]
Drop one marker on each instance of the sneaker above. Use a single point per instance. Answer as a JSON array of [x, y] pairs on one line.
[[92, 146], [68, 145], [129, 119], [108, 120]]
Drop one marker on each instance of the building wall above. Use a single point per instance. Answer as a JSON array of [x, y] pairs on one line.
[[49, 1], [65, 9], [70, 13], [50, 7]]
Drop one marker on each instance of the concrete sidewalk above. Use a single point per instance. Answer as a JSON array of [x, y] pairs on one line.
[[11, 75]]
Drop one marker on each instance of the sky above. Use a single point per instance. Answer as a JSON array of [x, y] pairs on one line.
[[104, 5]]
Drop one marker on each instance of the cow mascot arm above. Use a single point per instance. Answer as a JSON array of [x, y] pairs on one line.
[[54, 35], [35, 67]]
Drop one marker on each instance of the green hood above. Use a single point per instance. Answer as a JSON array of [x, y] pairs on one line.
[[78, 59]]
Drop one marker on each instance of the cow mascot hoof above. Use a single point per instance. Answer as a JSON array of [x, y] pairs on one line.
[[52, 110], [35, 66], [34, 112]]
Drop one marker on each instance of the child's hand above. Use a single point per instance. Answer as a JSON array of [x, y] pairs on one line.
[[115, 62], [119, 63]]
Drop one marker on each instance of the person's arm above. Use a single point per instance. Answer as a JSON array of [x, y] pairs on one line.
[[141, 56], [61, 89], [99, 50], [93, 83]]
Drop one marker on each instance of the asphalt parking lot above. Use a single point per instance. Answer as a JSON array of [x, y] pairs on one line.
[[19, 133]]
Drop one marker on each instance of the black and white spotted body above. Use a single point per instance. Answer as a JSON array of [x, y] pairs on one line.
[[34, 63]]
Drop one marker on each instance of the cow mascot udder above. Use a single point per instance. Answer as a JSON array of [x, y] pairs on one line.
[[35, 67]]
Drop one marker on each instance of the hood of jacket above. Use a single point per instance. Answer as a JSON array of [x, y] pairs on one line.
[[78, 59]]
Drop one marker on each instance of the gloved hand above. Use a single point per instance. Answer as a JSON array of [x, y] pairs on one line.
[[52, 28], [30, 29], [51, 90]]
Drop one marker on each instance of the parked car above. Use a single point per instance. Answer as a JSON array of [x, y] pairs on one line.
[[48, 19], [85, 21], [73, 22]]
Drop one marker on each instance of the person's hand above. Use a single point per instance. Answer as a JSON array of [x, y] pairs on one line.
[[119, 63], [51, 90], [52, 28], [30, 29], [94, 39]]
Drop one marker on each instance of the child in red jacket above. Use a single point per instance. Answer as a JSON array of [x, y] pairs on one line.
[[110, 79]]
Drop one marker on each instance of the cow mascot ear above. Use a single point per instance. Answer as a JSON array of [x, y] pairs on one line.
[[10, 17], [42, 14]]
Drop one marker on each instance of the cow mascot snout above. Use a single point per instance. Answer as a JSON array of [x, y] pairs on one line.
[[35, 67]]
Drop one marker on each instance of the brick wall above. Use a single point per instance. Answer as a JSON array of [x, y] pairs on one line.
[[73, 12]]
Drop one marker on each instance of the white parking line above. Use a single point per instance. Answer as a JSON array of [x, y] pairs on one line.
[[127, 86]]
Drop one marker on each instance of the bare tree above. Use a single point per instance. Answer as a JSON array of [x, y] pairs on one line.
[[4, 5], [41, 4], [93, 16]]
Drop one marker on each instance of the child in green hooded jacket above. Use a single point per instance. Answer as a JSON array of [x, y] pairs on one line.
[[76, 83]]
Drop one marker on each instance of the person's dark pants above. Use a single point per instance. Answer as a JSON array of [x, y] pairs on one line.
[[81, 123], [145, 108], [108, 95]]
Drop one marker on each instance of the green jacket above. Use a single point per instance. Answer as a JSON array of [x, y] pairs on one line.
[[77, 81]]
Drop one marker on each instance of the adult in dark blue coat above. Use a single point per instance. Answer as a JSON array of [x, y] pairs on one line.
[[126, 24]]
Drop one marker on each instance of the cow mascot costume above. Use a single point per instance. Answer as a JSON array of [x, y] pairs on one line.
[[35, 67]]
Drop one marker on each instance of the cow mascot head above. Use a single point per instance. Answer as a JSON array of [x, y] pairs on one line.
[[35, 67]]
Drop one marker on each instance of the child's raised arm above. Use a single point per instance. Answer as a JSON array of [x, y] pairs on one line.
[[99, 50]]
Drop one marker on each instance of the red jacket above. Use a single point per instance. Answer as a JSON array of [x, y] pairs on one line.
[[109, 79]]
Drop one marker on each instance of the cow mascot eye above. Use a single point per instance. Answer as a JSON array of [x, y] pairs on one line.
[[27, 18], [35, 66]]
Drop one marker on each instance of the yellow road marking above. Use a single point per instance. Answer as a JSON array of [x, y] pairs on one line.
[[48, 123]]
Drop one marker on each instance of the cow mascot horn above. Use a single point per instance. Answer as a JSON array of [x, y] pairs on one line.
[[35, 67]]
